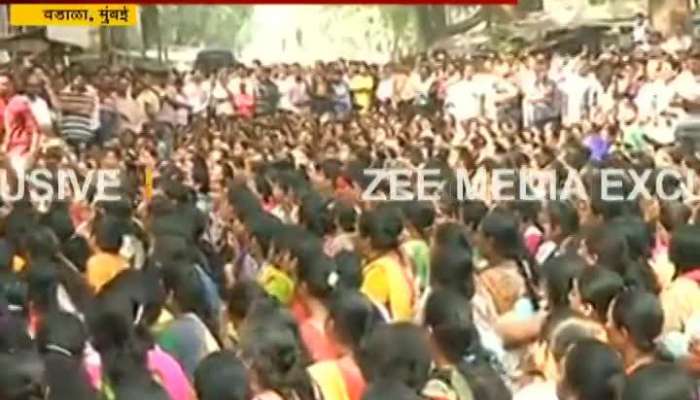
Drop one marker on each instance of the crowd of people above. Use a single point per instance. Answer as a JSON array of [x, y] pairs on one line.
[[241, 261]]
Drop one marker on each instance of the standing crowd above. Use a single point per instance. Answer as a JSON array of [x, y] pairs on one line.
[[241, 261]]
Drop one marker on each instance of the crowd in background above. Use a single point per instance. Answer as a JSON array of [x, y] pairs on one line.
[[241, 261]]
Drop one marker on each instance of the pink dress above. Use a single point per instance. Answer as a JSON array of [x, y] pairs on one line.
[[533, 239], [20, 125], [245, 104], [164, 368]]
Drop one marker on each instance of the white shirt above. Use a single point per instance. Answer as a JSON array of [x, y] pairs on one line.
[[42, 113], [197, 95], [464, 99], [676, 44], [222, 100], [542, 390], [639, 32], [385, 89], [574, 88], [654, 98], [285, 87], [687, 86]]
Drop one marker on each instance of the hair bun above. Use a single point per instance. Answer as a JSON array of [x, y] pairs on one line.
[[287, 359]]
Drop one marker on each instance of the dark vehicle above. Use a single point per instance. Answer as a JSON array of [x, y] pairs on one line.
[[209, 61], [687, 133]]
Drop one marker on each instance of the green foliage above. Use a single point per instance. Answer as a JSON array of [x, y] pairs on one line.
[[401, 22], [194, 25]]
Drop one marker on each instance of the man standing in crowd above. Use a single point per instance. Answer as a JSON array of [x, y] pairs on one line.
[[36, 88], [131, 115], [79, 106], [464, 99], [301, 279], [21, 133], [361, 84], [267, 95], [542, 101]]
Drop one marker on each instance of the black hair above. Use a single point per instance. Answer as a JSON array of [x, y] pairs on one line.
[[20, 222], [451, 234], [559, 273], [345, 216], [14, 291], [382, 226], [241, 297], [673, 214], [263, 228], [386, 389], [593, 371], [349, 266], [611, 209], [614, 250], [7, 254], [318, 276], [22, 376], [61, 340], [200, 174], [141, 292], [142, 389], [77, 250], [397, 352], [221, 376], [473, 211], [122, 353], [449, 317], [660, 381], [640, 313], [564, 327], [14, 332], [639, 236], [168, 249], [109, 234], [41, 242], [263, 186], [452, 268], [189, 291], [272, 347], [43, 281], [420, 215], [63, 333], [315, 215], [354, 318], [527, 210], [503, 229], [59, 221], [598, 287], [174, 189], [564, 215], [684, 249]]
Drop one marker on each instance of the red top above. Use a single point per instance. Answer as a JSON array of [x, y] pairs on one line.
[[245, 104], [20, 124], [299, 310], [3, 105], [354, 381], [320, 346]]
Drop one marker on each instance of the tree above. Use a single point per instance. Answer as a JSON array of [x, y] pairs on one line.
[[399, 19], [431, 21], [213, 26], [667, 16], [150, 27]]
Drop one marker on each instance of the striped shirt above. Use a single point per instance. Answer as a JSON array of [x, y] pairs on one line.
[[79, 115]]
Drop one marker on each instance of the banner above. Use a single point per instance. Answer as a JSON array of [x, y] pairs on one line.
[[73, 15]]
